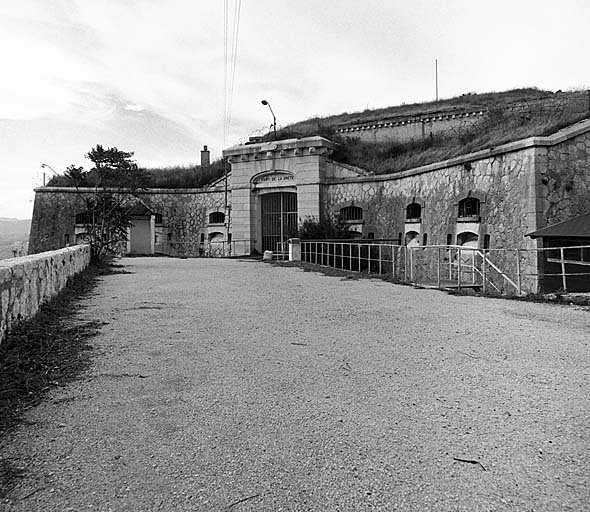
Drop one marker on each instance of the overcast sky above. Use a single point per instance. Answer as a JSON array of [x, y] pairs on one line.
[[148, 75]]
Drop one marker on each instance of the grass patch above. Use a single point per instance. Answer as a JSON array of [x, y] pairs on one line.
[[185, 176], [47, 351], [179, 176], [43, 353]]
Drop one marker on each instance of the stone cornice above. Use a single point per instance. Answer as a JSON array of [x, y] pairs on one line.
[[405, 120], [287, 148]]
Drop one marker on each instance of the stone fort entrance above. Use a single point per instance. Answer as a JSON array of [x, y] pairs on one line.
[[275, 186]]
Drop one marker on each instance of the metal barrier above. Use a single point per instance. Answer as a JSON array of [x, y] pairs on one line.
[[491, 271]]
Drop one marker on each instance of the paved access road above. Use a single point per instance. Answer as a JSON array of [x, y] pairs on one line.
[[242, 386]]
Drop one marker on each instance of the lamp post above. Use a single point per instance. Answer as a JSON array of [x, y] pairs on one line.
[[274, 119], [45, 166]]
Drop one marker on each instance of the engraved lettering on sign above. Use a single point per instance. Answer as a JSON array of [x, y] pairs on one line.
[[273, 179], [279, 177]]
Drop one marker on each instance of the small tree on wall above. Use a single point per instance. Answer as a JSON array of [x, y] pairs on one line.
[[116, 181]]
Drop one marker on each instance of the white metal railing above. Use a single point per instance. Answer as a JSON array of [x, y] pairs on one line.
[[495, 271]]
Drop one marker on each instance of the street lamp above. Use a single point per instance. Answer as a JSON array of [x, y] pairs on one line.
[[45, 166], [274, 119]]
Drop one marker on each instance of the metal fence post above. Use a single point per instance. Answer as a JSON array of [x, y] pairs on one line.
[[563, 278], [379, 259], [438, 267], [518, 276], [358, 248], [450, 263], [369, 258], [459, 269], [393, 261], [483, 272]]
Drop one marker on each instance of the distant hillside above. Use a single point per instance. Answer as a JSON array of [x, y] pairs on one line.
[[14, 236], [10, 228]]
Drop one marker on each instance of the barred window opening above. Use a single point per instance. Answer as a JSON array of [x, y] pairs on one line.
[[351, 213], [469, 207], [216, 218], [84, 218], [413, 211]]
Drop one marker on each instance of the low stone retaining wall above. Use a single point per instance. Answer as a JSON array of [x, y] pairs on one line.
[[28, 282]]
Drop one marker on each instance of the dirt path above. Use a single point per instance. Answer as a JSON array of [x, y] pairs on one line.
[[237, 385]]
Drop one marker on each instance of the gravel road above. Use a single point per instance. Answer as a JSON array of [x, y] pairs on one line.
[[238, 386]]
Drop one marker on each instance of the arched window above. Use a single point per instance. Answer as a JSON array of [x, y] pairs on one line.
[[469, 207], [216, 218], [351, 213], [413, 211]]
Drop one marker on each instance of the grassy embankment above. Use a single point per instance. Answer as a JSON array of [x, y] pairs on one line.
[[510, 116]]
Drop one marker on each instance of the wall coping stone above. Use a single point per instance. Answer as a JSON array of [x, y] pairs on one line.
[[147, 191], [29, 281]]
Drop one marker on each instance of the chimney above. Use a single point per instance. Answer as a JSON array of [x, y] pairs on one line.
[[205, 160]]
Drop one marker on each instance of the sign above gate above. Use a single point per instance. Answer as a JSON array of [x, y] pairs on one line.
[[270, 179]]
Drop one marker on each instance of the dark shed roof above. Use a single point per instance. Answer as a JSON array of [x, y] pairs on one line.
[[578, 227]]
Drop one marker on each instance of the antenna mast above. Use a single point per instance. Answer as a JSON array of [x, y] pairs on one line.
[[436, 76]]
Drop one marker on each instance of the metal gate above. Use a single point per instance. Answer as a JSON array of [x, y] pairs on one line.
[[279, 219]]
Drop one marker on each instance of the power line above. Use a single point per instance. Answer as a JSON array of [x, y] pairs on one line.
[[230, 54]]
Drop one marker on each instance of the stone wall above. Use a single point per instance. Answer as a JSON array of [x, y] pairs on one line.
[[502, 180], [406, 128], [28, 282], [565, 180], [498, 181], [184, 213]]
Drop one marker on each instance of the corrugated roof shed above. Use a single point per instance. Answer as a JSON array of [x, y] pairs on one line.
[[578, 227]]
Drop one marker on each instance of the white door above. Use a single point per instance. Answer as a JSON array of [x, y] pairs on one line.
[[141, 236]]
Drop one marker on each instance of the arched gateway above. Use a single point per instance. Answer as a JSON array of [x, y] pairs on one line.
[[279, 219], [274, 186]]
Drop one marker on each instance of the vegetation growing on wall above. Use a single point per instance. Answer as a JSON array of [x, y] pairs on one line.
[[463, 103], [189, 176], [174, 177], [328, 228], [500, 125]]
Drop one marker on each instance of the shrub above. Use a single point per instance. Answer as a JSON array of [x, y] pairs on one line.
[[326, 228]]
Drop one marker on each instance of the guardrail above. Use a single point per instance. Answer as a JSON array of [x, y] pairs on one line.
[[491, 271]]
